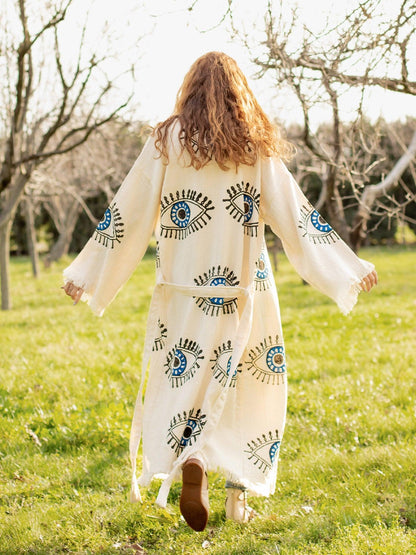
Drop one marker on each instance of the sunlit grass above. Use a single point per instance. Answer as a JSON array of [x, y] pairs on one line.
[[346, 475]]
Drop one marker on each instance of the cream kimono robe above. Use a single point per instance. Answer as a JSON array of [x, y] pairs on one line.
[[217, 375]]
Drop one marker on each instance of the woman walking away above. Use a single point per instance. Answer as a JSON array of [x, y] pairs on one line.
[[207, 181]]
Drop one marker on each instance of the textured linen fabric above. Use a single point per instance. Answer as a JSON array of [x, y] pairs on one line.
[[217, 385]]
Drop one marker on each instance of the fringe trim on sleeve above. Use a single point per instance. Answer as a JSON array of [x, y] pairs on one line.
[[347, 302], [87, 297]]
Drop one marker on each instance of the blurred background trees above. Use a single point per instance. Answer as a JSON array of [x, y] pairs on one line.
[[53, 98], [68, 133]]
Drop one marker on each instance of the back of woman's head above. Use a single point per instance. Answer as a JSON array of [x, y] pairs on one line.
[[219, 117]]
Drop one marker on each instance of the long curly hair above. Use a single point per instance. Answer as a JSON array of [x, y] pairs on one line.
[[219, 118]]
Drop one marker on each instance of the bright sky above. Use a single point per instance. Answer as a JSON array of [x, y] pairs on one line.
[[176, 41], [175, 37]]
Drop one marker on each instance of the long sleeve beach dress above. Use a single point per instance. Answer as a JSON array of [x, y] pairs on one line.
[[217, 382]]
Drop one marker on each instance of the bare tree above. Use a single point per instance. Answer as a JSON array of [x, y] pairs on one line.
[[29, 214], [51, 100], [374, 191], [64, 186], [367, 48]]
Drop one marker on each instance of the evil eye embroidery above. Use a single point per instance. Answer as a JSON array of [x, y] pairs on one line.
[[315, 228], [217, 276], [263, 272], [243, 205], [221, 366], [184, 429], [193, 140], [160, 340], [182, 362], [183, 213], [267, 361], [111, 228], [264, 451]]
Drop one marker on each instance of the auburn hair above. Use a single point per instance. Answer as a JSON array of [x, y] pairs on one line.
[[219, 118]]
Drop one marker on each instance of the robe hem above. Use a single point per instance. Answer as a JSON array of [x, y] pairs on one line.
[[256, 490]]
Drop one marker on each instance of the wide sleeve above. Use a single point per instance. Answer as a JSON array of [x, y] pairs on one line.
[[315, 250], [122, 236]]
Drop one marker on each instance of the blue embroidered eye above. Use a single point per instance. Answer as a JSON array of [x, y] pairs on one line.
[[267, 361], [217, 276], [263, 451], [183, 213], [184, 429], [243, 205], [160, 340], [180, 214], [274, 448], [179, 363], [105, 222], [248, 203], [319, 223], [275, 359], [182, 362], [111, 228], [221, 366], [263, 272], [315, 228], [218, 281]]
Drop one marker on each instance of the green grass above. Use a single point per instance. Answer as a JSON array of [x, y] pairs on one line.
[[346, 473]]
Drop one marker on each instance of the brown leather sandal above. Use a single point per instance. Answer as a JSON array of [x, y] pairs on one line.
[[194, 504]]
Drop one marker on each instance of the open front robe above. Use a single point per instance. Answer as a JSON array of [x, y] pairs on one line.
[[217, 382]]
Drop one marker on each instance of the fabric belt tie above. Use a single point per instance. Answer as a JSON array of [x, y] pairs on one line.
[[242, 335]]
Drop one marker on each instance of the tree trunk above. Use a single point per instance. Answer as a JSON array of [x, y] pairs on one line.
[[61, 246], [336, 217], [334, 206], [31, 236], [372, 192], [10, 204], [5, 231]]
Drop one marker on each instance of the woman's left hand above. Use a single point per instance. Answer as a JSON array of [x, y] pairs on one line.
[[73, 291], [369, 281]]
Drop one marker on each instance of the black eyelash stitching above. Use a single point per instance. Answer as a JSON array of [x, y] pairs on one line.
[[263, 464], [229, 304], [187, 345], [219, 373], [160, 340], [319, 237], [262, 283], [250, 228], [115, 219], [195, 422], [198, 223], [194, 142], [266, 375]]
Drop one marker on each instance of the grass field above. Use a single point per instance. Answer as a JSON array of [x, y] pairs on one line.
[[346, 480]]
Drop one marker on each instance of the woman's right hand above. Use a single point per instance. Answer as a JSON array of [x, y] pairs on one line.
[[73, 291]]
